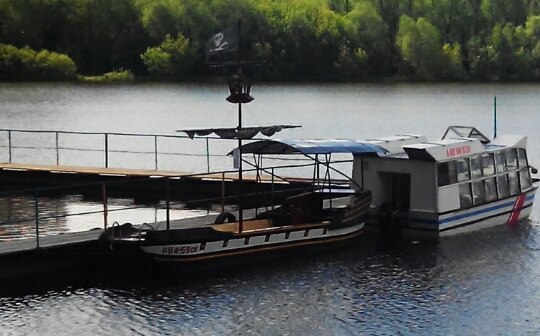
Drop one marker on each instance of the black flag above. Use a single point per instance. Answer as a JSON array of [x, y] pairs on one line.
[[225, 41]]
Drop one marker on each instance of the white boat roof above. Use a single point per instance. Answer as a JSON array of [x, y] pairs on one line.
[[510, 141], [413, 146], [394, 144], [444, 149], [452, 148]]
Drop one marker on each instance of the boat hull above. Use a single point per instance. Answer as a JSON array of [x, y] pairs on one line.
[[507, 211], [252, 246], [174, 258]]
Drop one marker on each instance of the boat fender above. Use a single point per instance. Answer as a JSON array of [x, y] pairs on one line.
[[220, 219]]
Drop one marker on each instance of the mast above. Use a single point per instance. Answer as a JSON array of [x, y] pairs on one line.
[[226, 41], [239, 88], [240, 173]]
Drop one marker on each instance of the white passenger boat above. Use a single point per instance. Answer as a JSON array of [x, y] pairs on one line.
[[461, 183]]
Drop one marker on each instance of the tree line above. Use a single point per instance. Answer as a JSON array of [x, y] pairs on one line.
[[431, 40]]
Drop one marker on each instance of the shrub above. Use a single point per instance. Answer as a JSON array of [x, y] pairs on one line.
[[27, 64], [171, 58], [113, 76]]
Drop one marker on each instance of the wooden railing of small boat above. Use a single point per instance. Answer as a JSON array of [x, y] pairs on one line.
[[248, 225], [257, 225]]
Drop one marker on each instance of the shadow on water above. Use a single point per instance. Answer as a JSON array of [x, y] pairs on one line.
[[371, 259], [57, 272], [376, 287]]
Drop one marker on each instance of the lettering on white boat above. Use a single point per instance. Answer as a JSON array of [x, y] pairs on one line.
[[458, 151], [179, 250]]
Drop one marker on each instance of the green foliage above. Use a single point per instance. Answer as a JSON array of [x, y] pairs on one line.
[[299, 39], [25, 63], [157, 61], [454, 61], [419, 43], [171, 58], [113, 76], [366, 31]]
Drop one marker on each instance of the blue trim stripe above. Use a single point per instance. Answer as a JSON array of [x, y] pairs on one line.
[[472, 213]]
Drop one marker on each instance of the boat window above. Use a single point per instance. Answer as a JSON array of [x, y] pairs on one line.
[[522, 156], [511, 158], [479, 195], [488, 165], [525, 179], [446, 173], [500, 162], [502, 184], [465, 195], [513, 182], [463, 173], [476, 166], [491, 189]]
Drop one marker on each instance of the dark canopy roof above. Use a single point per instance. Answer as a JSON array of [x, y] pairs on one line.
[[235, 133], [308, 147]]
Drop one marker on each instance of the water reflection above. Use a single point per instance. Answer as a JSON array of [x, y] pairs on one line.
[[471, 284], [480, 283], [74, 213]]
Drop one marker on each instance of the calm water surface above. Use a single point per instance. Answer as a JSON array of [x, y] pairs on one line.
[[481, 283]]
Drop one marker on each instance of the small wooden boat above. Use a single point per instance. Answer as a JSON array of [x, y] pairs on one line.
[[311, 218], [326, 215]]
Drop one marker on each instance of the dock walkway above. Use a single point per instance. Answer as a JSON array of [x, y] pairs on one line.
[[130, 172], [74, 238]]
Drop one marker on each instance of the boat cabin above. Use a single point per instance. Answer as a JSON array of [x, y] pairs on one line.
[[462, 182]]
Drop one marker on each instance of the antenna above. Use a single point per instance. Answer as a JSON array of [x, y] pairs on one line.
[[494, 117]]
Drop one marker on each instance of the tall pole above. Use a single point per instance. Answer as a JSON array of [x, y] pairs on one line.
[[240, 202], [105, 205], [494, 116]]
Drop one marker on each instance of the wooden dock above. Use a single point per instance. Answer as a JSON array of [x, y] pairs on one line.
[[21, 259], [145, 185], [25, 257], [85, 237], [134, 173]]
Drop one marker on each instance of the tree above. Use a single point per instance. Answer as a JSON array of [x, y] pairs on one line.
[[365, 27], [420, 46], [172, 57], [25, 63]]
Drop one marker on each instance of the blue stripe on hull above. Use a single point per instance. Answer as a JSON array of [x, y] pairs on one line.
[[460, 218]]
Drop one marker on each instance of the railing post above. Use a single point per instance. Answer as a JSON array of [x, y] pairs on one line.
[[168, 202], [207, 155], [106, 150], [223, 192], [36, 204], [9, 145], [105, 205], [57, 150], [272, 188], [155, 152]]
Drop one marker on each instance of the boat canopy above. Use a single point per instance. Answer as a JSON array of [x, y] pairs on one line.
[[237, 133], [308, 147]]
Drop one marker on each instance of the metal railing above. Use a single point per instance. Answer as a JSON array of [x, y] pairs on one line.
[[37, 217], [105, 145]]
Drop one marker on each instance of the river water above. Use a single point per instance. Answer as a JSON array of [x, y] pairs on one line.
[[480, 283]]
